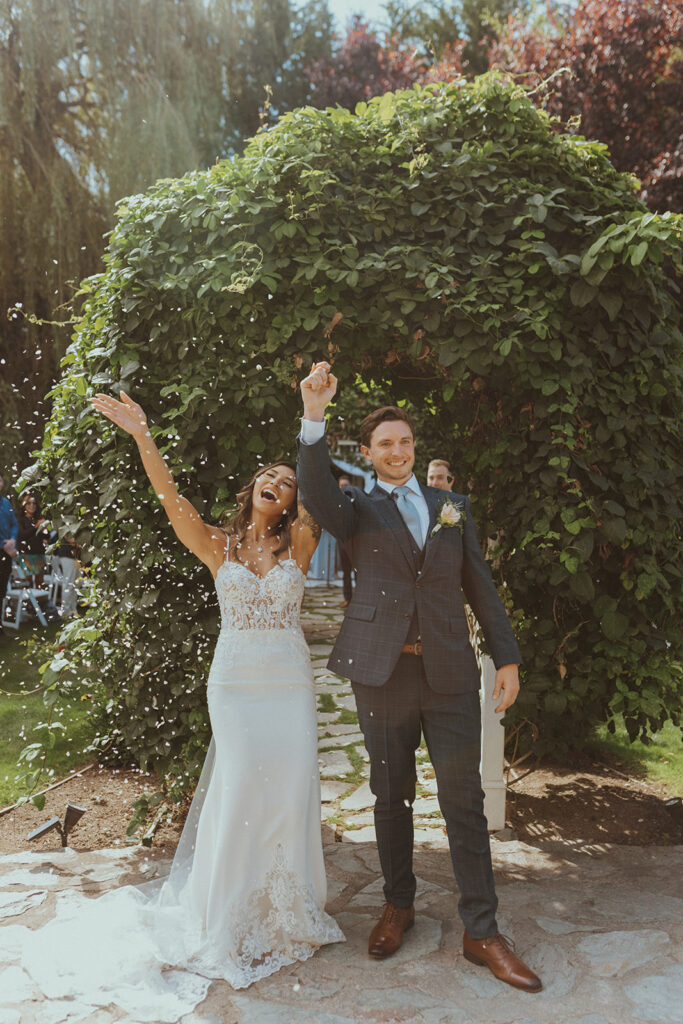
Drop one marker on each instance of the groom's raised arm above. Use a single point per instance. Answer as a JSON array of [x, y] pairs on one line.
[[320, 493]]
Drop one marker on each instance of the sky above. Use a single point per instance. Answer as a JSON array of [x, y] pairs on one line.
[[343, 10], [371, 10]]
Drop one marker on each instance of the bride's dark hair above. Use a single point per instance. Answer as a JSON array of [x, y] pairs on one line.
[[236, 523]]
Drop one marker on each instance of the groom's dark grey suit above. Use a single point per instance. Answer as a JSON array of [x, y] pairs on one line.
[[403, 594]]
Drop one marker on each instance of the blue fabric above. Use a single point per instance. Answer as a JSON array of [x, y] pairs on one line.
[[409, 513], [8, 522]]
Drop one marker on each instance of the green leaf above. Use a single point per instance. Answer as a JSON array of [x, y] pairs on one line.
[[582, 585], [613, 625], [583, 544], [614, 530], [581, 293], [571, 562], [638, 254], [604, 603], [555, 703], [38, 801], [129, 367], [611, 303]]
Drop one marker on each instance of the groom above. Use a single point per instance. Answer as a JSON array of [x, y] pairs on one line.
[[404, 644]]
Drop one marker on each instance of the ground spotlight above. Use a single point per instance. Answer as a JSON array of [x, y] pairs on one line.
[[42, 829], [675, 808], [72, 817]]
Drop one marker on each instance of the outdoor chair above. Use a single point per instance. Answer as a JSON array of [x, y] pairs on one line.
[[21, 593], [53, 581]]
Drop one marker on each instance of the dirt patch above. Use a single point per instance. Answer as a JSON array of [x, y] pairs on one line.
[[588, 801], [591, 801], [107, 794]]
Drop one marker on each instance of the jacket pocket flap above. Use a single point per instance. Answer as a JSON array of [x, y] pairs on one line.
[[361, 611]]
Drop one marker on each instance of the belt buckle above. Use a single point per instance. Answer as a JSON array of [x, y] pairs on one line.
[[418, 647]]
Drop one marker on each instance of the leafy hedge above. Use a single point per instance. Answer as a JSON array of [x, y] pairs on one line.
[[502, 277]]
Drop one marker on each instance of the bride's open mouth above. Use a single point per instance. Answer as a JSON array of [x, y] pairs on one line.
[[269, 495]]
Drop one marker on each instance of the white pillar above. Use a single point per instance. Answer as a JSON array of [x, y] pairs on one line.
[[492, 749]]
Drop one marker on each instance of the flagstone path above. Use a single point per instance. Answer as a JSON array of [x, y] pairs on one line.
[[346, 798], [601, 924]]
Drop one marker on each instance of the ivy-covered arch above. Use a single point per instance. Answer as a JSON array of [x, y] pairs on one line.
[[501, 277]]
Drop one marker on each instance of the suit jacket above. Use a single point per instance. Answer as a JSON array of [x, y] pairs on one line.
[[396, 584]]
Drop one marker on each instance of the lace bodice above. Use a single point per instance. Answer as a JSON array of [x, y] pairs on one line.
[[248, 601]]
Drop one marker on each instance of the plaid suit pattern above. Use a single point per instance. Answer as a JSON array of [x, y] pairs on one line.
[[397, 585], [400, 591]]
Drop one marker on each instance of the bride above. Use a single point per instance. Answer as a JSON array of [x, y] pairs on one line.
[[246, 892]]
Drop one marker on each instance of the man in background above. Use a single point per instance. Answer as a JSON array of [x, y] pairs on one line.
[[8, 537], [439, 475], [64, 560]]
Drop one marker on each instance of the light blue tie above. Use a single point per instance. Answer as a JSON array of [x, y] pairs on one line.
[[409, 513]]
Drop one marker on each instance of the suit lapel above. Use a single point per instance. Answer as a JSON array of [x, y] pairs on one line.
[[432, 498], [386, 507]]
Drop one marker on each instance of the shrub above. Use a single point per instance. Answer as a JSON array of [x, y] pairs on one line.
[[494, 272]]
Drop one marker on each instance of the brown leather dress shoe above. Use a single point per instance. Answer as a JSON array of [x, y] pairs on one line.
[[387, 935], [495, 953]]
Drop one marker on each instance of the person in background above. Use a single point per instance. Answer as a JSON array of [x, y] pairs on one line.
[[64, 561], [8, 540], [344, 560], [439, 475], [32, 537]]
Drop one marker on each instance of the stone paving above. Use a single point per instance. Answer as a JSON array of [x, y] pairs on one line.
[[346, 798], [602, 925]]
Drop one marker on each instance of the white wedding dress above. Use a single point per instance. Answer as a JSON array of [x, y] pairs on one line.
[[247, 889]]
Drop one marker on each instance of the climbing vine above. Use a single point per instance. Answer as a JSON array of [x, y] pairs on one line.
[[502, 277]]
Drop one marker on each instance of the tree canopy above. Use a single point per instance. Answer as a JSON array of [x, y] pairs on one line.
[[503, 277], [97, 102], [622, 82], [436, 26], [610, 70]]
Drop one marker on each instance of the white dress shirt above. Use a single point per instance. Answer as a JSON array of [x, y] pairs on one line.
[[312, 431]]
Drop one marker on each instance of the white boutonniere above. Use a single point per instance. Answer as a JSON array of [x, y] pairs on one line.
[[449, 514]]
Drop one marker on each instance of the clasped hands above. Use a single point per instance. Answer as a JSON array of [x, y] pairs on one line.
[[318, 390]]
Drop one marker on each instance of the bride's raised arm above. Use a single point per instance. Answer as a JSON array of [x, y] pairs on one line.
[[305, 534], [205, 541]]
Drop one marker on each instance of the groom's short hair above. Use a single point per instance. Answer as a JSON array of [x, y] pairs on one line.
[[383, 415]]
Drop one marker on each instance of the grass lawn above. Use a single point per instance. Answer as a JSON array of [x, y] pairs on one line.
[[661, 760], [21, 711]]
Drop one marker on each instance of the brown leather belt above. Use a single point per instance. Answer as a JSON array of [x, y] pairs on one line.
[[412, 648]]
